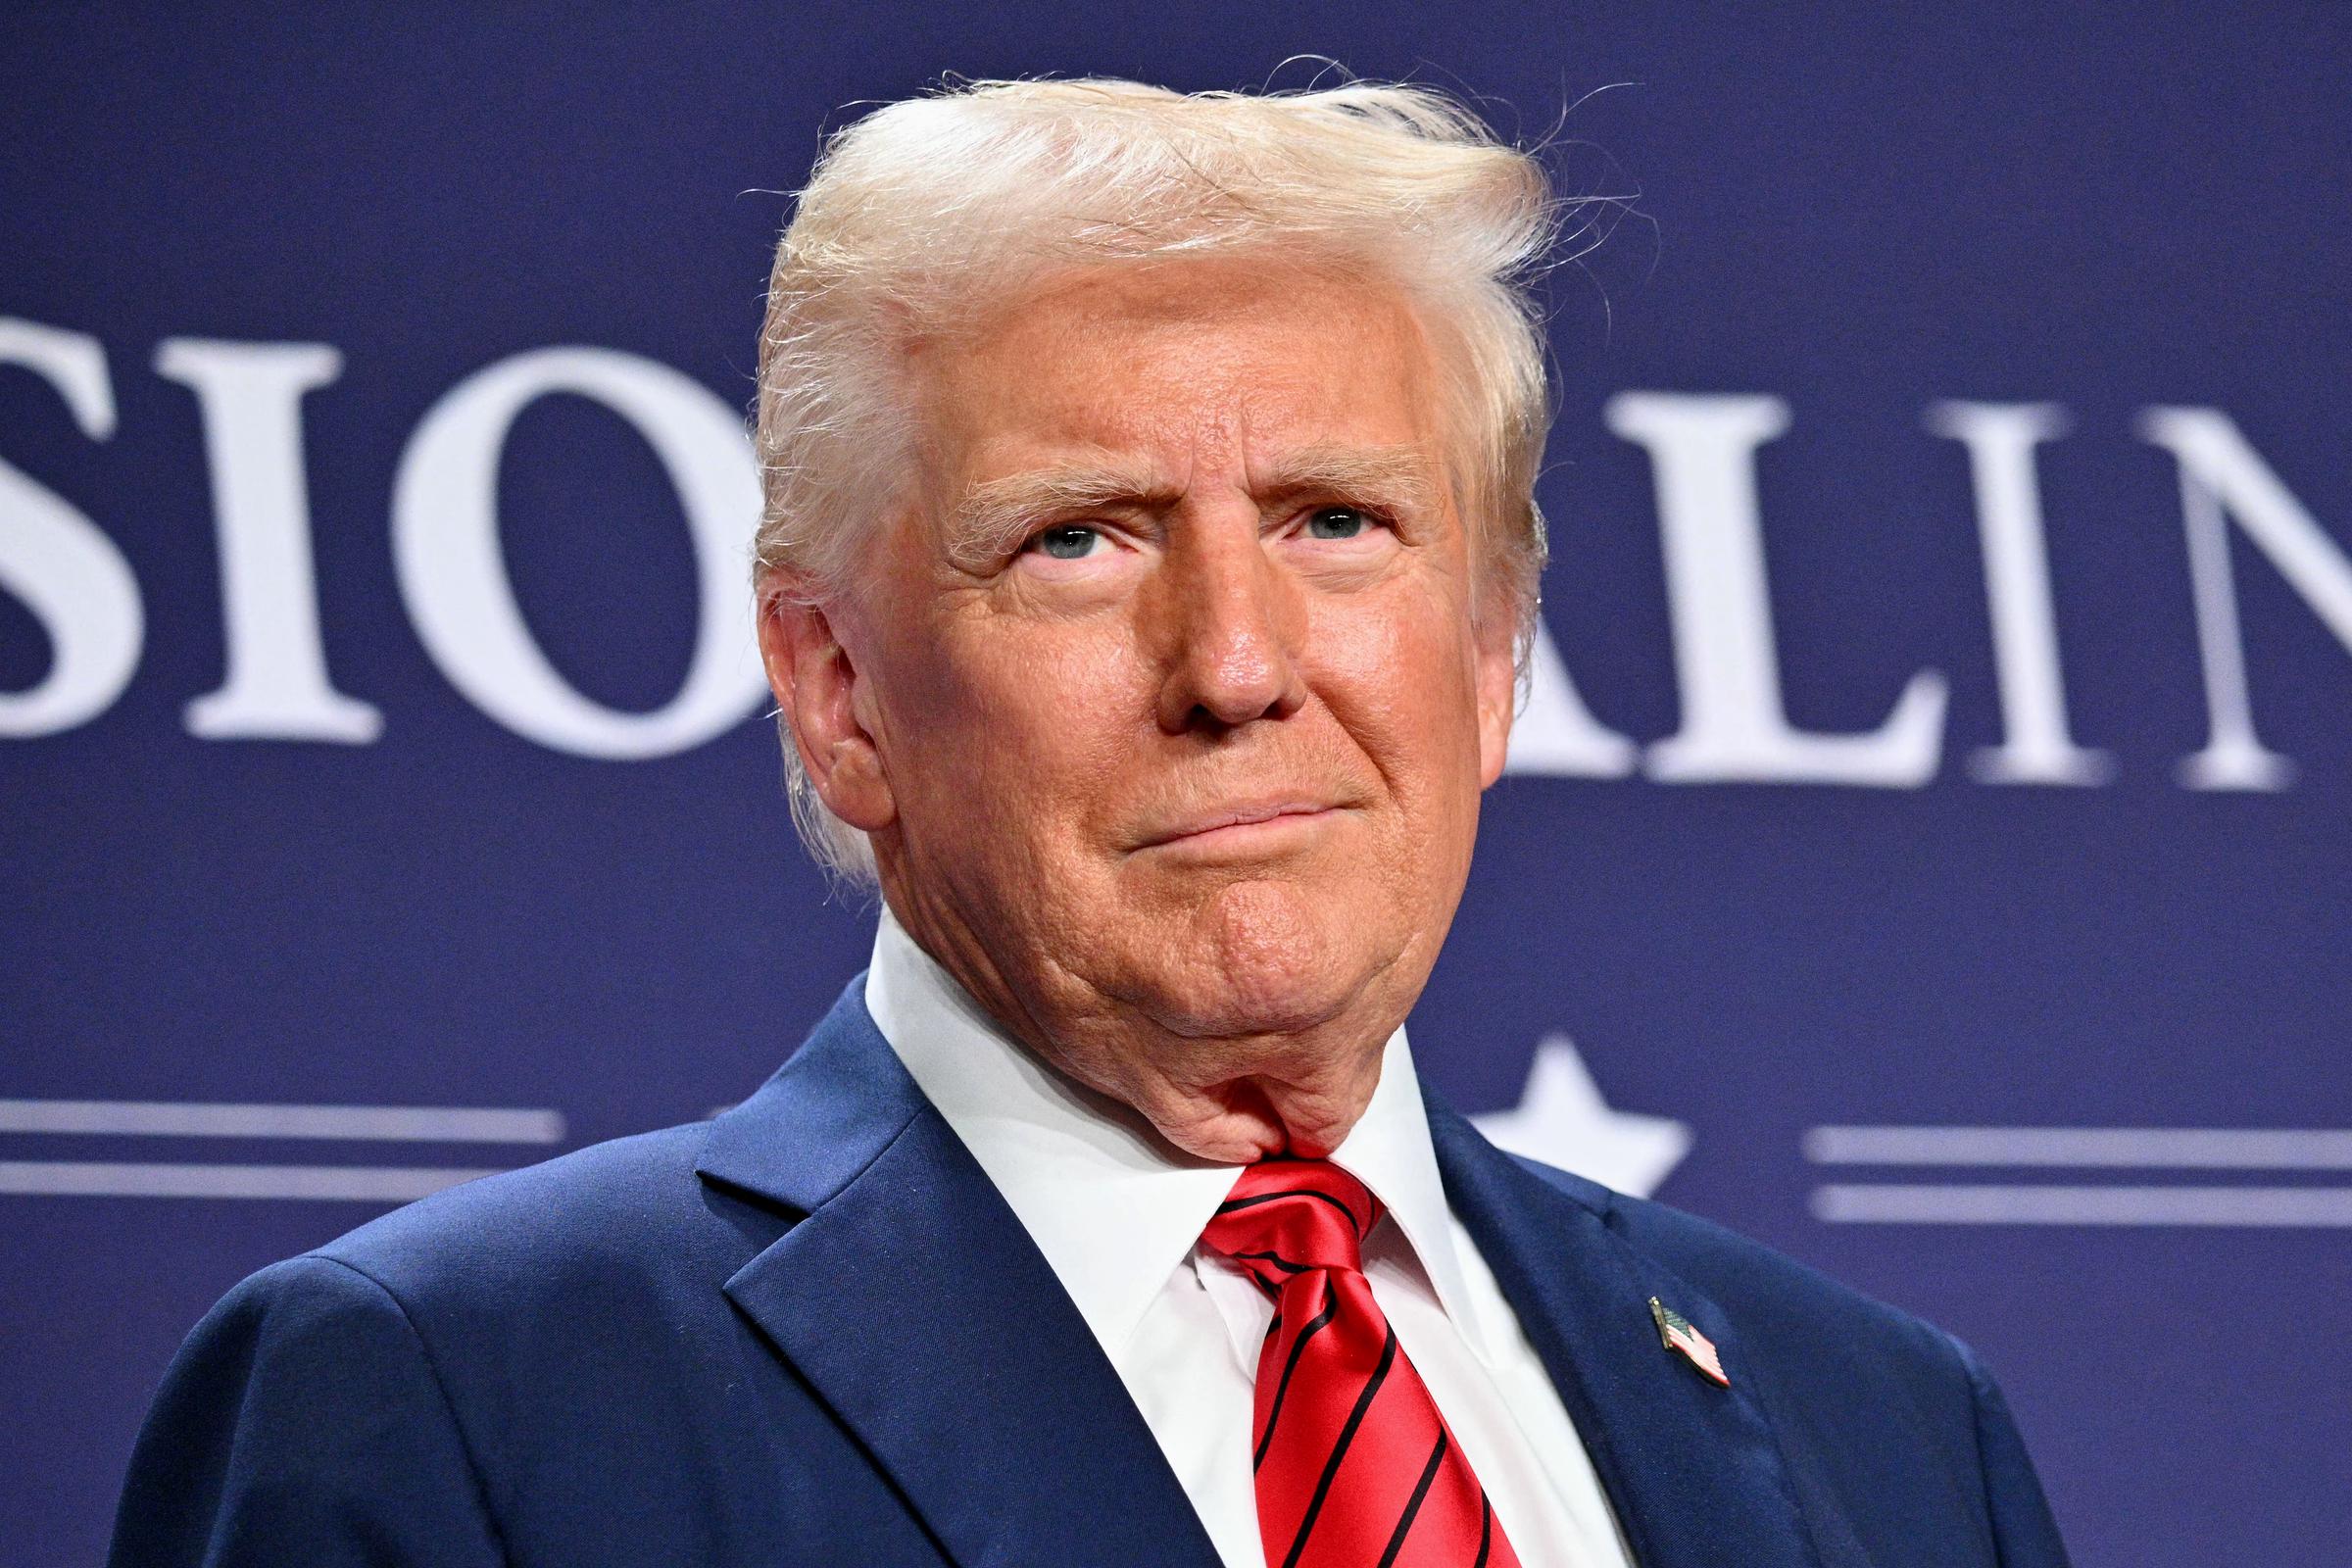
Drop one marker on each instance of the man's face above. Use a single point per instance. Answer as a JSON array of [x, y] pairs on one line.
[[1178, 711]]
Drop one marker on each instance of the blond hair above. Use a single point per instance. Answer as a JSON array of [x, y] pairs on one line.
[[925, 211]]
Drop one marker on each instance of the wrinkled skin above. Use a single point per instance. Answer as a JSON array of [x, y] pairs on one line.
[[1174, 763]]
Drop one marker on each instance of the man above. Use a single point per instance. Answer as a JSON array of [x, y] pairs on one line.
[[1149, 553]]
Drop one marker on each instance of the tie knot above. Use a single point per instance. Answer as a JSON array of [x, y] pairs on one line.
[[1286, 1217]]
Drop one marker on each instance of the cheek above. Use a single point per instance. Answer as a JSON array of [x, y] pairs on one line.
[[1013, 730], [1401, 678]]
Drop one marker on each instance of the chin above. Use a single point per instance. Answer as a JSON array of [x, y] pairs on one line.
[[1273, 956]]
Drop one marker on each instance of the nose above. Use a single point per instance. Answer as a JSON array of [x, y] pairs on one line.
[[1230, 628]]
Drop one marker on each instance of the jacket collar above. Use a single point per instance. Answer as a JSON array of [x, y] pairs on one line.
[[1693, 1469], [916, 1306]]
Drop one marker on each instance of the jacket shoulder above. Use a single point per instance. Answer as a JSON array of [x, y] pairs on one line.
[[1874, 1409], [623, 1216], [1774, 1299]]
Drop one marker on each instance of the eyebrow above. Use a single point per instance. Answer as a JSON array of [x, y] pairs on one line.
[[995, 516]]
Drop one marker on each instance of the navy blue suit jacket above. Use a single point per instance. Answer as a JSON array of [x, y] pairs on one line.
[[811, 1332]]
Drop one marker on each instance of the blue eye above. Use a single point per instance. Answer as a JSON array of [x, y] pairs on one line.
[[1337, 523], [1069, 542]]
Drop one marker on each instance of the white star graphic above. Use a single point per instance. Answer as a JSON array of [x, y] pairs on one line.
[[1563, 1121]]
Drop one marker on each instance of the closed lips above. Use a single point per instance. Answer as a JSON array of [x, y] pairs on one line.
[[1237, 816]]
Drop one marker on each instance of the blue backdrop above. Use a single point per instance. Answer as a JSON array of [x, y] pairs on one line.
[[1932, 805]]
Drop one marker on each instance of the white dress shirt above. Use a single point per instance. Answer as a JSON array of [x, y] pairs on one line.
[[1118, 1214]]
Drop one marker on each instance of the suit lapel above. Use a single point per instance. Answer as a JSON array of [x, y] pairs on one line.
[[916, 1305], [1692, 1468]]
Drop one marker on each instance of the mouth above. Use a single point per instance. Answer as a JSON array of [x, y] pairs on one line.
[[1249, 826]]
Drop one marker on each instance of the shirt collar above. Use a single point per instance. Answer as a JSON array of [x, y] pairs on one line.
[[1112, 1205], [1388, 1151]]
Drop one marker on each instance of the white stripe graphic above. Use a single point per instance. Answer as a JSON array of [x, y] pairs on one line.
[[425, 1124], [2266, 1206], [393, 1184], [2148, 1148]]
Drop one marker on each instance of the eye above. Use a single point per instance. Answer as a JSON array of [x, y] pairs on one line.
[[1338, 522], [1068, 541]]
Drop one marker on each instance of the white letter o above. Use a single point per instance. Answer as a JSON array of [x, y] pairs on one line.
[[445, 549]]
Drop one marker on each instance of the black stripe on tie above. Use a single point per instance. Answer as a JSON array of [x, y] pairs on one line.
[[1412, 1506], [1277, 1260], [1230, 1204], [1274, 1411], [1486, 1530], [1331, 1466]]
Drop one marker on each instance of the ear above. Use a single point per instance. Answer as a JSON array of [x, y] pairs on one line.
[[1498, 685], [815, 683]]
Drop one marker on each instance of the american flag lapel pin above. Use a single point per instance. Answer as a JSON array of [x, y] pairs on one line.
[[1676, 1332]]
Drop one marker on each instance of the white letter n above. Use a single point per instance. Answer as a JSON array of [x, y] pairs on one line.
[[2222, 478]]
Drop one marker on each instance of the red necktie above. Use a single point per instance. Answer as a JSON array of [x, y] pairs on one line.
[[1355, 1468]]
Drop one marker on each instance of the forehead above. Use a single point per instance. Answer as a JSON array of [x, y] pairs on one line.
[[1200, 361]]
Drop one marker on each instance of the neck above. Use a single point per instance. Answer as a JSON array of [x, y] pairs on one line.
[[1231, 1095]]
